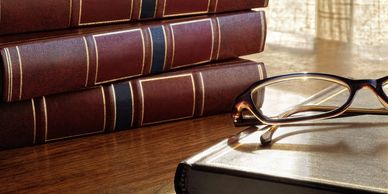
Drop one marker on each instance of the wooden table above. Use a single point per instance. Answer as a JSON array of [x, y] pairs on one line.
[[144, 160], [136, 161]]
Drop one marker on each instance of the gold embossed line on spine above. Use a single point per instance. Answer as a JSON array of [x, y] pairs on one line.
[[45, 119], [114, 106], [152, 48], [140, 8], [10, 74], [219, 37], [34, 117], [104, 105], [70, 12], [261, 71], [263, 30], [87, 61], [203, 92], [165, 46], [216, 6], [96, 50], [21, 73], [133, 104], [144, 53]]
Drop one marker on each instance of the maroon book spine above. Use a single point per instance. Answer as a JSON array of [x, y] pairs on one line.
[[36, 15], [184, 94], [62, 64]]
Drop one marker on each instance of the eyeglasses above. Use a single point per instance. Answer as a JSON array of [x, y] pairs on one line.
[[299, 97]]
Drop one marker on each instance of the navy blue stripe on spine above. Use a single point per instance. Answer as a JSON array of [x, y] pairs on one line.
[[124, 105], [159, 49], [148, 9]]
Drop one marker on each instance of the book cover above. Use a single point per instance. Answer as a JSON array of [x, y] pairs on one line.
[[183, 94], [95, 56], [341, 155], [18, 16]]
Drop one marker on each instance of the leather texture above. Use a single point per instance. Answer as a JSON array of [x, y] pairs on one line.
[[18, 16], [183, 94], [97, 56]]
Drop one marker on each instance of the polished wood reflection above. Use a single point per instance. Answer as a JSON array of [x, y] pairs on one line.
[[136, 161], [144, 160]]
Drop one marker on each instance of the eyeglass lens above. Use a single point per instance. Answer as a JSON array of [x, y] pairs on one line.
[[278, 97]]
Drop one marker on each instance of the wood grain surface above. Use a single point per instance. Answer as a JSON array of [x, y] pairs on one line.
[[136, 161]]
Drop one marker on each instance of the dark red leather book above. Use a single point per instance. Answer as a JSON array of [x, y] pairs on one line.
[[183, 94], [36, 15], [96, 56]]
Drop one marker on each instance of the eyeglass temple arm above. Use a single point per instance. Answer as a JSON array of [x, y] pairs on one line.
[[266, 138], [250, 119]]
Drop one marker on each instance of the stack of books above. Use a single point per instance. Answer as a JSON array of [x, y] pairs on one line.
[[72, 68]]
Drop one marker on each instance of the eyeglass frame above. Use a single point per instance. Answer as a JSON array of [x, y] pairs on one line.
[[245, 102]]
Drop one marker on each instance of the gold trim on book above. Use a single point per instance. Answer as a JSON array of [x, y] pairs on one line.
[[186, 13], [34, 116], [165, 47], [103, 22], [70, 11], [152, 48], [10, 74], [263, 31], [80, 12], [87, 61], [164, 78], [114, 107], [140, 8], [97, 56], [104, 103], [45, 119], [133, 104], [261, 72], [203, 93], [219, 38], [173, 42], [216, 6], [21, 73]]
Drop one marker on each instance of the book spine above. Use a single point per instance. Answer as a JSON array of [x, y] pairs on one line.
[[36, 15], [71, 63], [140, 102]]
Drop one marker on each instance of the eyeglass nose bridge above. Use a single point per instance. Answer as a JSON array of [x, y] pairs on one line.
[[371, 85], [366, 83]]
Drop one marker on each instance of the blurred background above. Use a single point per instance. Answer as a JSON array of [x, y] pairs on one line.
[[343, 37]]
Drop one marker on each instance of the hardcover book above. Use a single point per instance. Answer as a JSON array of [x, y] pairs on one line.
[[36, 15], [343, 155], [100, 55], [338, 155], [183, 94]]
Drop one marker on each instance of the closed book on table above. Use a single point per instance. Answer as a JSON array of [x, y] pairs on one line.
[[183, 94], [36, 15], [37, 65], [344, 155]]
